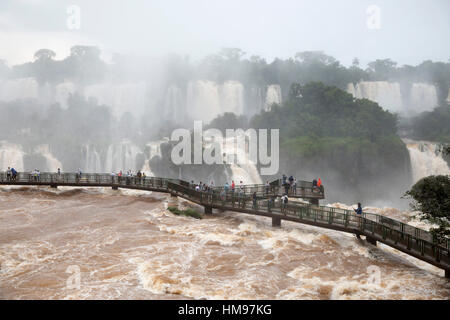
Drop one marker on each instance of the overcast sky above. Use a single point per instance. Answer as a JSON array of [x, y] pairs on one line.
[[409, 32]]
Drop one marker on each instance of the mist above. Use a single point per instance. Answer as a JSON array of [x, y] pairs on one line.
[[102, 85]]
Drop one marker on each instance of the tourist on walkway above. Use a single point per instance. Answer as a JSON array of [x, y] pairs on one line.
[[291, 180], [223, 195], [284, 201], [254, 200], [294, 186], [359, 209], [267, 188], [13, 174], [286, 188], [8, 174]]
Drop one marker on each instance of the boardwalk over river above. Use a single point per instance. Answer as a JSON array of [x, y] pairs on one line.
[[408, 239]]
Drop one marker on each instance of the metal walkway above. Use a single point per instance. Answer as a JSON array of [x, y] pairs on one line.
[[408, 239]]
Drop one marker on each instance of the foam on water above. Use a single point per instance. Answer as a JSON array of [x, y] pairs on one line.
[[128, 245]]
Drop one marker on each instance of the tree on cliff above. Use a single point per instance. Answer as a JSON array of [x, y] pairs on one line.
[[431, 197]]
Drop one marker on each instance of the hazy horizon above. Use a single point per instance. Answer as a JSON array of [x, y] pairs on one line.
[[409, 31]]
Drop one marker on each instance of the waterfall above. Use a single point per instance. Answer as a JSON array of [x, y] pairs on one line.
[[232, 97], [154, 148], [426, 159], [51, 162], [18, 89], [11, 155], [256, 101], [203, 101], [29, 88], [273, 95], [92, 163], [423, 97], [122, 156], [174, 105], [130, 97], [62, 93], [386, 94], [243, 169]]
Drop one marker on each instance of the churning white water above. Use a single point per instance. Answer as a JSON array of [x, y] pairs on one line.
[[426, 159], [127, 245]]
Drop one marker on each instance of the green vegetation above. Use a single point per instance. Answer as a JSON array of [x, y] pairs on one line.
[[326, 132], [188, 212], [228, 120], [433, 125], [432, 197]]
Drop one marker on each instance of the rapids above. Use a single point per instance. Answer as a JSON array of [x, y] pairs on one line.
[[127, 245]]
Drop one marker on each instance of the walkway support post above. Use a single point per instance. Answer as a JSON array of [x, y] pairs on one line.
[[115, 187], [314, 201], [208, 209], [447, 274], [371, 240], [276, 222], [54, 186]]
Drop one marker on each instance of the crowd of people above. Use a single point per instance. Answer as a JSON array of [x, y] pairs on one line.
[[289, 184]]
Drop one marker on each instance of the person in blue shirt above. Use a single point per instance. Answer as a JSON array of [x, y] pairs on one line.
[[14, 174], [359, 209]]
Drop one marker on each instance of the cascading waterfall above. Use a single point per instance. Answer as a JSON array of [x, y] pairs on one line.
[[120, 97], [122, 156], [154, 151], [232, 97], [91, 161], [29, 88], [426, 159], [174, 104], [423, 97], [242, 169], [18, 89], [257, 102], [273, 95], [52, 163], [203, 100], [11, 155], [386, 94]]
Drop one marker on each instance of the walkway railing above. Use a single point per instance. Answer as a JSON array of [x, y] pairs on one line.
[[414, 241]]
